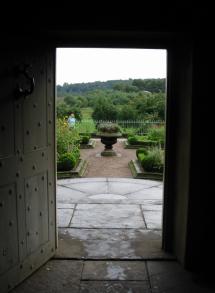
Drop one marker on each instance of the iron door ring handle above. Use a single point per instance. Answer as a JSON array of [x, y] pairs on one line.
[[19, 90]]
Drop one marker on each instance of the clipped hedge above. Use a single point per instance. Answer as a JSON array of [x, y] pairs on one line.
[[67, 162], [141, 151], [142, 141], [85, 139], [152, 160]]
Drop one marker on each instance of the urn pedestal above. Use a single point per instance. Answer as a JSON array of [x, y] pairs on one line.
[[108, 140]]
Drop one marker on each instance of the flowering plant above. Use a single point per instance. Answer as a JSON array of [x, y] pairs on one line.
[[109, 127]]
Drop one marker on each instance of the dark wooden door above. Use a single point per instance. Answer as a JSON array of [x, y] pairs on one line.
[[27, 163]]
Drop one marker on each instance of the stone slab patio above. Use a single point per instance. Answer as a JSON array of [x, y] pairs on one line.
[[114, 218], [68, 276]]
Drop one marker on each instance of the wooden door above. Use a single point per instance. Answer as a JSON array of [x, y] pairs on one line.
[[27, 163]]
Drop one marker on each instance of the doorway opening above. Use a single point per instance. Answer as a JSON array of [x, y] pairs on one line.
[[110, 199]]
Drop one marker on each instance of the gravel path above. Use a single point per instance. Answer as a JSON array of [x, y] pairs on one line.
[[99, 166]]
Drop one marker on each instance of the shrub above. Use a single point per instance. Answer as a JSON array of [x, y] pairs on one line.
[[141, 151], [64, 110], [66, 162], [67, 137], [132, 139], [104, 110], [149, 143], [126, 132], [157, 134], [153, 161], [142, 140], [85, 139], [67, 144], [141, 157]]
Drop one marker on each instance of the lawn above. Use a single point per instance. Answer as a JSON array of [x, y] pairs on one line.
[[87, 124]]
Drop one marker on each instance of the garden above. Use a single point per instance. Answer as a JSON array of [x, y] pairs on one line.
[[135, 107], [69, 163], [149, 147]]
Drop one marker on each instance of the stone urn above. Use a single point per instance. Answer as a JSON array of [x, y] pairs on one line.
[[109, 132]]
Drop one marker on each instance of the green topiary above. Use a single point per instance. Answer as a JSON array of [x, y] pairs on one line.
[[141, 157], [66, 162], [141, 151], [153, 161], [85, 139], [132, 140], [141, 140]]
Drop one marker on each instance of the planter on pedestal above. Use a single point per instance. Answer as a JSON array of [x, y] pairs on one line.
[[108, 139], [109, 132]]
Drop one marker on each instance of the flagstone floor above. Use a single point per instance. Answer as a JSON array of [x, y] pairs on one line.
[[103, 218], [110, 241]]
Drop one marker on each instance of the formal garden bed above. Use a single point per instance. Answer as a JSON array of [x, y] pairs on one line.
[[86, 142], [76, 172], [149, 162], [148, 165], [153, 138], [69, 163], [137, 141]]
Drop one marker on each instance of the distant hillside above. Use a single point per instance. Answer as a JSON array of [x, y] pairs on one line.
[[151, 85], [75, 88]]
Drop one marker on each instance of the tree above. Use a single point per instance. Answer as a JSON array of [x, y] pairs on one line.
[[62, 110], [104, 110], [127, 112], [65, 110], [152, 85]]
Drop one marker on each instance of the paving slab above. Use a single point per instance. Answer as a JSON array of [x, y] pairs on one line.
[[171, 277], [67, 195], [64, 217], [90, 187], [143, 182], [124, 187], [110, 243], [106, 198], [140, 199], [154, 191], [55, 276], [114, 287], [107, 216], [167, 267], [65, 205], [152, 205], [148, 193], [98, 198], [80, 180], [114, 270], [153, 219], [110, 225]]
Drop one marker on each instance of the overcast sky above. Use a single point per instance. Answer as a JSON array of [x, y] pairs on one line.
[[77, 65]]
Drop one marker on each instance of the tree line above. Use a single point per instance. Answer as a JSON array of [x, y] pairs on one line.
[[115, 99], [151, 85]]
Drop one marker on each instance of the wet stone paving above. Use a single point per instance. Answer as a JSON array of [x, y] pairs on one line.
[[104, 218], [109, 240]]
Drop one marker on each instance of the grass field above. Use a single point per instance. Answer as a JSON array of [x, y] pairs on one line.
[[87, 124]]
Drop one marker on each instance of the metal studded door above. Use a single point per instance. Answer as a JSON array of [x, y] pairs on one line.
[[27, 163]]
